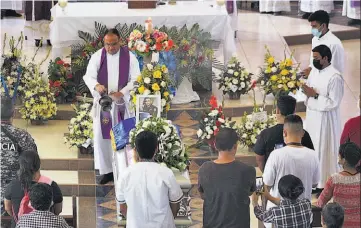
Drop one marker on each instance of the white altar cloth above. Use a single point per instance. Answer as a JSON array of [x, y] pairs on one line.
[[82, 15]]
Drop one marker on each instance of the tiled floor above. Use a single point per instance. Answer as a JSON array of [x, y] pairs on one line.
[[255, 31]]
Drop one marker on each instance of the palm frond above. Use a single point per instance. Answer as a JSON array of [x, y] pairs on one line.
[[100, 29], [87, 37]]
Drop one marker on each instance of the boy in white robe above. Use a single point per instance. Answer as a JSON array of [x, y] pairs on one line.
[[274, 6], [319, 21], [103, 152], [324, 90], [310, 6], [352, 10]]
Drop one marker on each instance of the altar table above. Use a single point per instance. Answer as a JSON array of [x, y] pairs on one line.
[[82, 15]]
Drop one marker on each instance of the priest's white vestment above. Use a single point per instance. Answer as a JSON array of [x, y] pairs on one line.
[[274, 6], [336, 47], [323, 121], [349, 11], [103, 156], [310, 6]]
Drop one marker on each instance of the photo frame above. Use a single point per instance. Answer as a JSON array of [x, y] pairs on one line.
[[147, 106]]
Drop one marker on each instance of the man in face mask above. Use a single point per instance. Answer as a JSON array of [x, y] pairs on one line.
[[324, 91], [319, 21]]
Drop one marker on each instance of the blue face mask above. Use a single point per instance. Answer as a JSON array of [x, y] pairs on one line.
[[315, 32]]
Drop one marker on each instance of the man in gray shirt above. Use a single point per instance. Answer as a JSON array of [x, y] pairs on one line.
[[225, 185]]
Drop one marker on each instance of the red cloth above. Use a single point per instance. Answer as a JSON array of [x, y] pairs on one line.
[[352, 129]]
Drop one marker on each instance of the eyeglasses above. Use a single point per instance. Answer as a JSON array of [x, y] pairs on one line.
[[111, 45]]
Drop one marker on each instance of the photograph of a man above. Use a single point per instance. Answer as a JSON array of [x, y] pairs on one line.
[[149, 107]]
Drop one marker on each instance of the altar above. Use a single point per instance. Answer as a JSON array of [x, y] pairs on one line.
[[82, 15]]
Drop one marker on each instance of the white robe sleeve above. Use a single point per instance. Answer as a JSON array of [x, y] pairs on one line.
[[332, 100], [91, 75], [338, 57], [134, 72]]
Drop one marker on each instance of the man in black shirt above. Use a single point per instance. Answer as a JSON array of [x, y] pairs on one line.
[[225, 185], [272, 138]]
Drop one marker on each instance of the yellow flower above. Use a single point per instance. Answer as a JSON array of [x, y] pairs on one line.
[[164, 68], [141, 89], [284, 72], [157, 74], [166, 94], [139, 78], [134, 99], [268, 70], [274, 78], [155, 87], [289, 62], [271, 60], [167, 107]]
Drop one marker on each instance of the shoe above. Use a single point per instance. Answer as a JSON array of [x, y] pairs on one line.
[[106, 178], [38, 44], [12, 13], [277, 13], [306, 15], [48, 42], [353, 22]]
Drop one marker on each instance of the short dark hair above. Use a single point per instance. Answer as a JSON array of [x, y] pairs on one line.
[[324, 51], [351, 153], [294, 123], [146, 143], [41, 196], [333, 215], [286, 104], [112, 31], [226, 139], [290, 187], [320, 16], [7, 108]]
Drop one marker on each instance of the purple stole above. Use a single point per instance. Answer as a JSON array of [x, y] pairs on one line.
[[230, 8], [124, 60], [355, 3]]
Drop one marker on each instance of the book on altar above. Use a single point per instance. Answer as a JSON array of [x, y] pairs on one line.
[[129, 155]]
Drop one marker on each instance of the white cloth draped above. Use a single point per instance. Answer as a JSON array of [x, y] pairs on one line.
[[310, 6], [274, 6], [103, 152], [337, 50], [351, 12], [323, 121]]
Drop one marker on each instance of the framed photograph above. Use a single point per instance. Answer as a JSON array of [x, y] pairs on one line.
[[148, 106]]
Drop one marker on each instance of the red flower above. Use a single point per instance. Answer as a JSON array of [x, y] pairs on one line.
[[216, 131], [170, 44], [60, 62], [57, 83], [83, 54], [70, 76], [186, 47], [50, 83], [253, 85], [93, 44], [66, 64], [213, 102], [56, 94], [158, 46], [200, 58], [218, 124]]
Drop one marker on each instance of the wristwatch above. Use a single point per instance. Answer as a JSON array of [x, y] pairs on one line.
[[316, 96]]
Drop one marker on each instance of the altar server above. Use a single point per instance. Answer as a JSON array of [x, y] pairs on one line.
[[113, 70], [351, 9], [324, 91], [274, 6], [319, 21], [233, 13], [311, 6]]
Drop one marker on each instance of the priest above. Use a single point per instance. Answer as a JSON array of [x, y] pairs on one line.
[[311, 6], [319, 21], [351, 9], [112, 70], [274, 6], [324, 91]]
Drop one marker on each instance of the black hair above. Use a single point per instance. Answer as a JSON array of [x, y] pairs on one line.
[[333, 215], [112, 31], [226, 139], [324, 51], [7, 108], [290, 187], [294, 123], [351, 153], [320, 16], [41, 196], [286, 104], [146, 143], [29, 162]]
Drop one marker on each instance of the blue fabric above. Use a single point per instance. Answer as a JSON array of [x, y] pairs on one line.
[[178, 130], [19, 70], [120, 133]]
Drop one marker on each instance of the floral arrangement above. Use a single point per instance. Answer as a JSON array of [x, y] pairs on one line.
[[236, 79], [212, 121], [279, 77], [61, 81], [81, 126], [154, 80], [172, 152], [152, 40], [38, 102]]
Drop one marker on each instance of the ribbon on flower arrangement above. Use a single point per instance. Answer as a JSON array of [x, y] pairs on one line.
[[7, 93]]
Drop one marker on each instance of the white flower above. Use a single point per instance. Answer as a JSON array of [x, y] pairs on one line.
[[146, 92], [164, 102], [236, 73], [205, 119], [199, 133], [226, 78], [223, 88], [230, 71], [208, 128], [253, 139], [221, 120], [234, 88], [147, 80], [163, 84], [169, 145], [208, 137], [262, 82], [157, 93], [132, 93], [249, 125], [293, 77], [215, 128], [72, 121], [210, 132], [235, 81], [243, 85], [215, 112], [291, 85], [140, 45], [280, 86], [150, 66], [244, 135], [165, 70], [171, 96], [145, 124], [167, 130], [274, 69]]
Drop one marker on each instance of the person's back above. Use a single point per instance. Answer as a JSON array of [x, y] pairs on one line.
[[352, 128], [226, 190]]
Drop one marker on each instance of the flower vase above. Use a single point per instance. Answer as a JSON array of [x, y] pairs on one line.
[[88, 150], [234, 95], [153, 57], [38, 122]]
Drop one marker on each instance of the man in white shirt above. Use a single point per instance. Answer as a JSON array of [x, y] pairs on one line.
[[148, 192], [319, 21], [292, 159]]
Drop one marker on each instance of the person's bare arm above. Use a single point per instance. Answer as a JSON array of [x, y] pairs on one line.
[[123, 209], [175, 208], [8, 207], [58, 208], [268, 196], [260, 159]]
